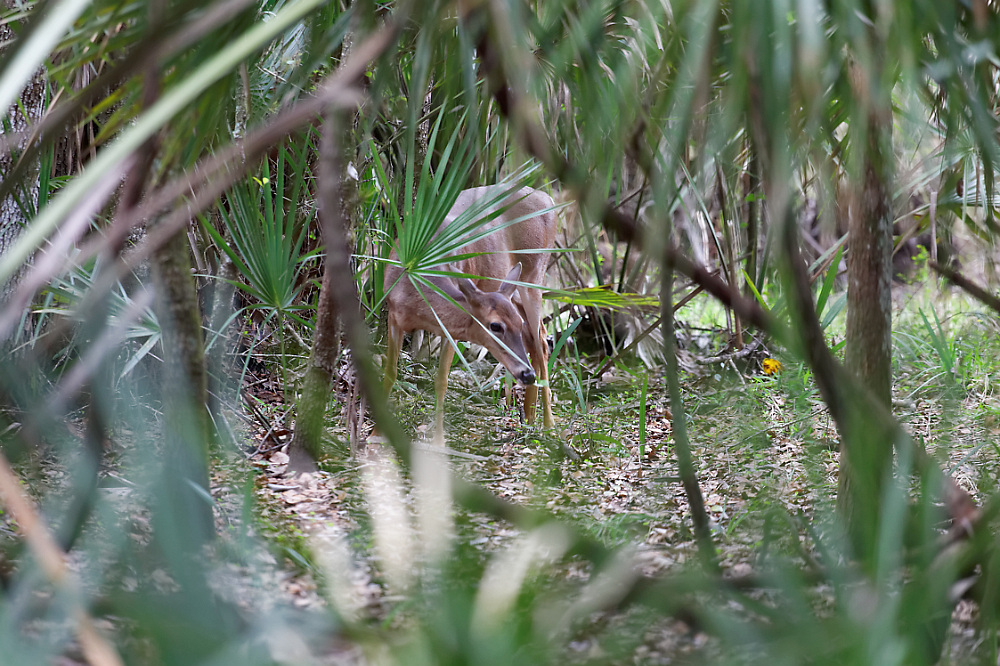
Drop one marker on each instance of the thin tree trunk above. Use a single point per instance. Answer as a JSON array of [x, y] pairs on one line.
[[21, 116], [185, 516], [869, 270], [730, 238], [343, 294], [863, 469], [222, 384], [336, 293], [751, 193], [307, 443], [185, 417]]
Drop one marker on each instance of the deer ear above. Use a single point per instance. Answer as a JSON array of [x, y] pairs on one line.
[[452, 292], [507, 288], [468, 289]]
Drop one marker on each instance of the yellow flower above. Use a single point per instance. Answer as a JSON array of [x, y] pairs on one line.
[[771, 366]]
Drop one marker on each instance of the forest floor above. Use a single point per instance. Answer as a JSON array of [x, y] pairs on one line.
[[764, 447]]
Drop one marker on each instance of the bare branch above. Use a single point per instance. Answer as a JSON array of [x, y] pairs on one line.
[[967, 285]]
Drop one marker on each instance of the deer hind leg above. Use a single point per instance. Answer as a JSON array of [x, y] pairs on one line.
[[441, 385]]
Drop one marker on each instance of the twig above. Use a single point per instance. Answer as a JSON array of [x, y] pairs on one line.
[[729, 356], [967, 285]]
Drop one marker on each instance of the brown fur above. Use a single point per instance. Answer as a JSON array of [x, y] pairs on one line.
[[516, 319]]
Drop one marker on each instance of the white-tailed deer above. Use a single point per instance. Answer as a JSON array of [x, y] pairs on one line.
[[503, 317]]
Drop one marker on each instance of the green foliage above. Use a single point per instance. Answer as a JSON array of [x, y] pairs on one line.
[[131, 319], [601, 297], [942, 346], [196, 82], [421, 248], [264, 239], [572, 373], [688, 111]]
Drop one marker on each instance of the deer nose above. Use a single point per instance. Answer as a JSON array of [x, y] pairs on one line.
[[528, 376]]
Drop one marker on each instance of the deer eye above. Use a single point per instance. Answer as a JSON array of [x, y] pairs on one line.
[[496, 327]]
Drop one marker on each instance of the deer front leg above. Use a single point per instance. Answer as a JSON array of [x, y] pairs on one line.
[[394, 344], [540, 363], [441, 385], [531, 395], [543, 375], [538, 350]]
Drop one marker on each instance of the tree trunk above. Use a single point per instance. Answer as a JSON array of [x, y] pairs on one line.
[[869, 314], [307, 443], [751, 192], [866, 464], [337, 292], [223, 386], [32, 100], [186, 431]]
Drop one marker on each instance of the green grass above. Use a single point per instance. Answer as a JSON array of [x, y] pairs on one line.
[[766, 457]]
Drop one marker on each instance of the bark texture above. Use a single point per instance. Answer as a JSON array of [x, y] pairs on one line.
[[866, 463], [20, 117], [337, 292], [185, 416], [869, 273], [223, 386], [307, 443]]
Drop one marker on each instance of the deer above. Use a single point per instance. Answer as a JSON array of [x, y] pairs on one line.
[[491, 311]]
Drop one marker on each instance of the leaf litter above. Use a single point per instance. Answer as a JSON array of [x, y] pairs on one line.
[[763, 447]]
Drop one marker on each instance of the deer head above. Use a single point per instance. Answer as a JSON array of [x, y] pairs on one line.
[[498, 324]]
